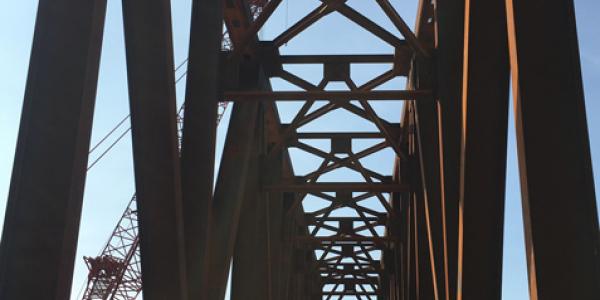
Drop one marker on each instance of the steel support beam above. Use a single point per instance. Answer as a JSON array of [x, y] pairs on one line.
[[231, 184], [430, 183], [354, 59], [151, 81], [43, 210], [250, 270], [333, 96], [428, 142], [199, 137], [272, 170], [339, 187], [449, 63], [483, 161], [559, 203], [422, 277], [432, 198], [412, 286]]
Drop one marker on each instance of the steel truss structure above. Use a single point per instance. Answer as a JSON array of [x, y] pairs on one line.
[[431, 228]]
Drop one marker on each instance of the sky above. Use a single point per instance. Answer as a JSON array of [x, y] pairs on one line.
[[110, 183]]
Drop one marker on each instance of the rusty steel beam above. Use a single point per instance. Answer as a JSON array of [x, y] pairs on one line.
[[199, 137], [433, 209], [43, 210], [351, 59], [233, 177], [367, 280], [350, 293], [412, 284], [406, 31], [449, 65], [258, 258], [256, 254], [250, 34], [360, 240], [557, 183], [307, 21], [483, 159], [423, 274], [149, 51], [339, 187], [250, 266], [430, 162], [333, 96], [367, 24], [334, 135]]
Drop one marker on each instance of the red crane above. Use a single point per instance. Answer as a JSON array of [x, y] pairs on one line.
[[116, 273]]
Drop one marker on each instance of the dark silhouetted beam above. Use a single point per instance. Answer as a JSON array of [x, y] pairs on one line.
[[483, 161], [199, 134], [151, 81], [449, 65], [428, 141], [424, 278], [332, 135], [355, 59], [339, 187], [324, 95], [234, 173], [250, 270], [557, 185], [43, 210]]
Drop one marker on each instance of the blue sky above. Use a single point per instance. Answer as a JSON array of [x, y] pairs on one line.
[[110, 183]]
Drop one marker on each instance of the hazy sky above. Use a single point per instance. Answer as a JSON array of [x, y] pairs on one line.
[[110, 183]]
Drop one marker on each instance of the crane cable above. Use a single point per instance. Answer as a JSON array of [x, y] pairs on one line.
[[114, 129]]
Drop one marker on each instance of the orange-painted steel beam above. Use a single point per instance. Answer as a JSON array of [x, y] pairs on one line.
[[557, 183], [484, 143]]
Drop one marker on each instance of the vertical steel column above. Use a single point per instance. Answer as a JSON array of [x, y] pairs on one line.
[[199, 134], [231, 185], [401, 224], [483, 161], [559, 203], [424, 275], [412, 291], [430, 183], [272, 169], [424, 278], [250, 273], [149, 52], [449, 54], [44, 203], [257, 260]]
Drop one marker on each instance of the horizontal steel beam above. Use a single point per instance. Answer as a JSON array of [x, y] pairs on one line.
[[326, 95], [322, 59], [340, 187], [332, 135], [312, 219], [351, 240], [354, 281], [350, 293], [359, 272]]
